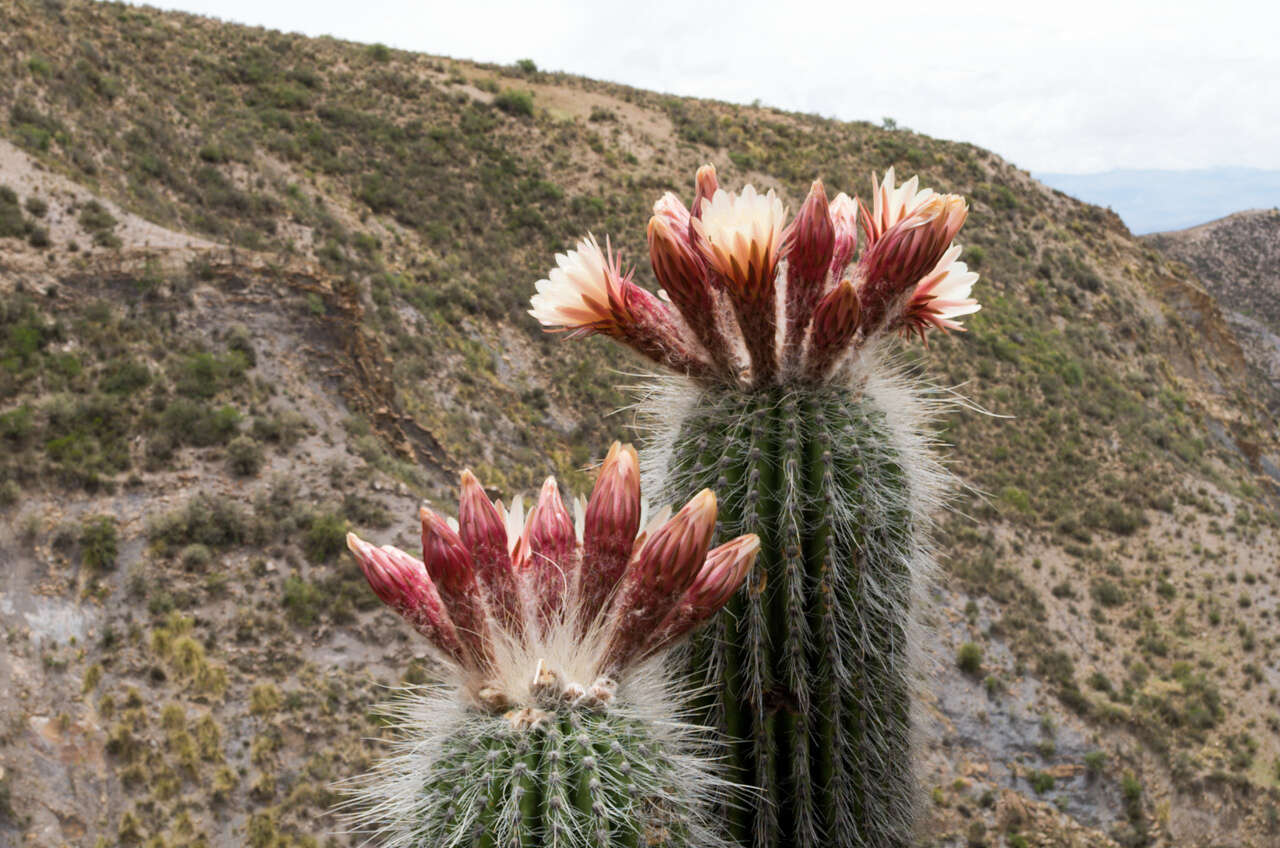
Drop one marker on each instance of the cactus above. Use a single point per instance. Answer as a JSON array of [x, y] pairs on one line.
[[556, 722], [786, 402]]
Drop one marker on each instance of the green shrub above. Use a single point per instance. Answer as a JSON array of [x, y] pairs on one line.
[[1016, 498], [302, 601], [515, 102], [87, 437], [240, 341], [13, 224], [192, 423], [1040, 781], [37, 206], [124, 376], [969, 658], [99, 542], [1107, 593], [365, 512], [196, 557], [203, 375], [326, 536], [10, 493], [39, 66], [98, 222], [17, 425], [1115, 517], [1095, 761], [244, 456], [283, 428], [216, 521]]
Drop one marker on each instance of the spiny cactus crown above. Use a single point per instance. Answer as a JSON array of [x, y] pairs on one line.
[[555, 722], [539, 611]]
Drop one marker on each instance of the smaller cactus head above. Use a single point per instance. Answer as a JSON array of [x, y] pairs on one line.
[[546, 609], [732, 269]]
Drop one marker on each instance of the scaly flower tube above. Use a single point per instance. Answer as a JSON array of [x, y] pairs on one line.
[[733, 269]]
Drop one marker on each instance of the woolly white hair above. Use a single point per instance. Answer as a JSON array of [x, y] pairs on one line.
[[388, 805]]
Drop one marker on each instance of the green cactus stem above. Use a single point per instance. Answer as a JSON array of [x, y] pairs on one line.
[[565, 777], [813, 659]]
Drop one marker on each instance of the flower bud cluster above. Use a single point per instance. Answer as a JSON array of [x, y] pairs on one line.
[[496, 584], [748, 298]]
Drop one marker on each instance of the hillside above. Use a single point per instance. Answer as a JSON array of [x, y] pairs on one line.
[[256, 288], [1237, 259]]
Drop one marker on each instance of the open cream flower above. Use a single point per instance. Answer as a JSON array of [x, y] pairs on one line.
[[895, 262], [942, 296], [741, 238], [890, 204], [582, 292], [588, 293]]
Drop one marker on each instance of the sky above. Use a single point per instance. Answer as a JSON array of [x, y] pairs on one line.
[[1073, 87]]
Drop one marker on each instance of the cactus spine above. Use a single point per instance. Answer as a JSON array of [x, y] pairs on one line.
[[556, 722], [814, 658], [563, 775], [785, 405]]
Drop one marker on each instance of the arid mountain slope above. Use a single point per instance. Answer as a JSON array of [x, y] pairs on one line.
[[256, 288], [1237, 259]]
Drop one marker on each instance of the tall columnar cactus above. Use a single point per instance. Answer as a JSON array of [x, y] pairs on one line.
[[557, 724], [785, 405]]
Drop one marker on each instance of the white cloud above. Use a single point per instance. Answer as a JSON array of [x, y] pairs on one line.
[[1079, 86]]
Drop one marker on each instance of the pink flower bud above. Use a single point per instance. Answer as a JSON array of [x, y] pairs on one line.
[[722, 573], [844, 224], [661, 572], [484, 533], [448, 562], [721, 576], [609, 534], [682, 272], [810, 239], [401, 582], [553, 547], [705, 184], [673, 554], [672, 212], [835, 320], [809, 242]]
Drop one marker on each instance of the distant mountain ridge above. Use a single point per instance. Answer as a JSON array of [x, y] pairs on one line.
[[1151, 201], [1237, 258]]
